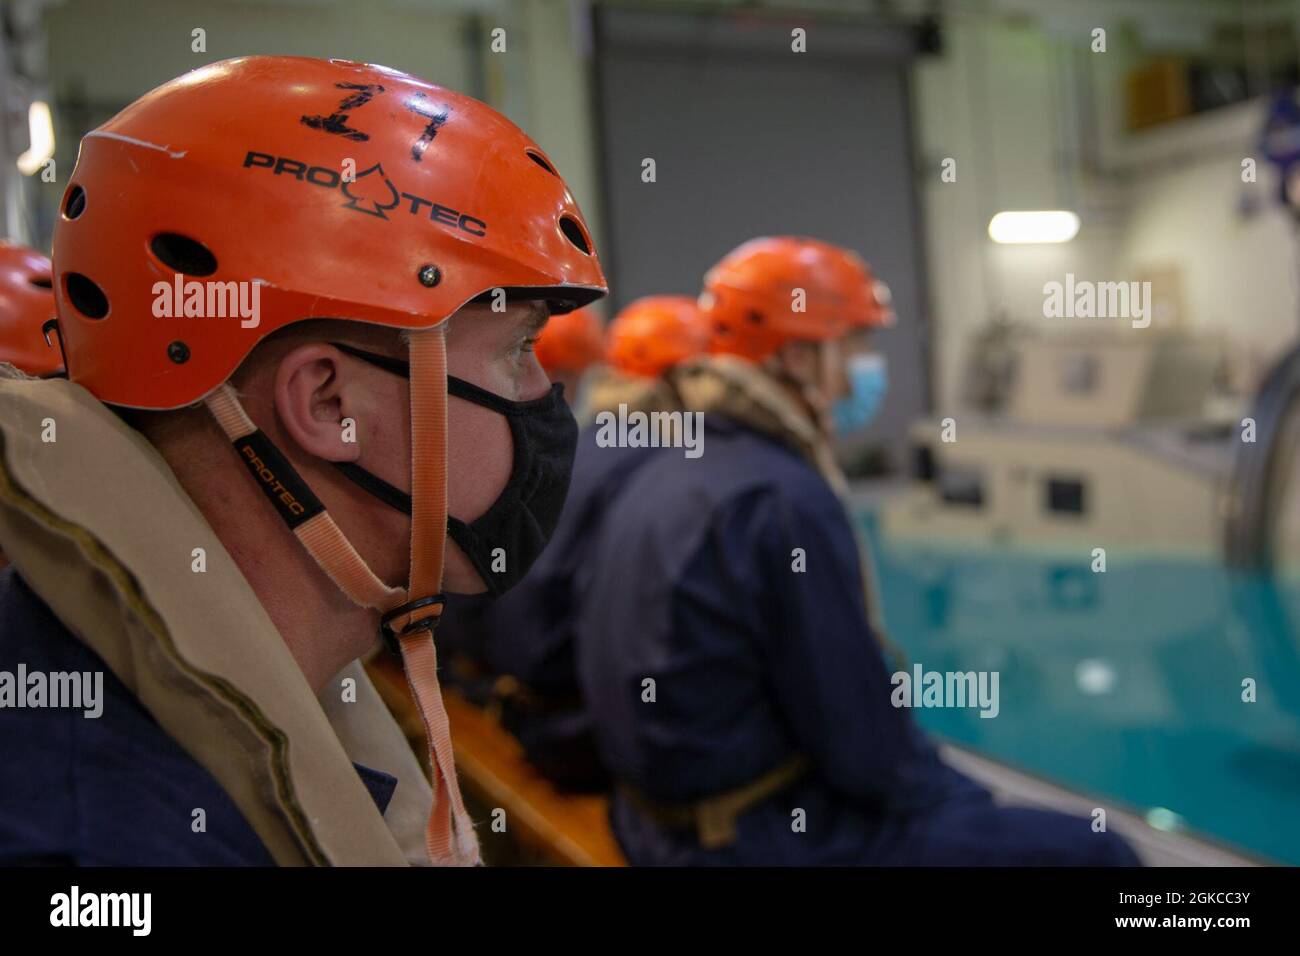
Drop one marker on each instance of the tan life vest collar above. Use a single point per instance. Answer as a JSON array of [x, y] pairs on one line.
[[100, 529]]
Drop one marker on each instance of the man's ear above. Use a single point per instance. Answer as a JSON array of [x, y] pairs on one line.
[[798, 361], [310, 404]]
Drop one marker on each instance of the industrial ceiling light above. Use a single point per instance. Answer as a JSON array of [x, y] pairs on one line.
[[1034, 225], [42, 139]]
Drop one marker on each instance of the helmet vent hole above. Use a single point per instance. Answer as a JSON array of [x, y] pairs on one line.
[[75, 204], [755, 316], [183, 254], [540, 160], [573, 232], [87, 298], [41, 282]]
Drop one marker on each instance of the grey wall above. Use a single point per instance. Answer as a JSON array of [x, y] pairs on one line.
[[752, 139]]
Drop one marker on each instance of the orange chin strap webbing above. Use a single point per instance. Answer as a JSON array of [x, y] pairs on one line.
[[450, 834], [410, 616]]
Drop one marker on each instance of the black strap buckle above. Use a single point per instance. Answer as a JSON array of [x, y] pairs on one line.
[[429, 623]]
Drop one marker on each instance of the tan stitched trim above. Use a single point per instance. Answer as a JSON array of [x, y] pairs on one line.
[[102, 559]]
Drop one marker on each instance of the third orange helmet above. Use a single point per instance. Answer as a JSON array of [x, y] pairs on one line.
[[780, 289], [655, 333]]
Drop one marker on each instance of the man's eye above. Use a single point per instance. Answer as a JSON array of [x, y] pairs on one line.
[[527, 344]]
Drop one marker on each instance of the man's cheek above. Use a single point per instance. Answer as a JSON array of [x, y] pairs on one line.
[[522, 378], [500, 376], [481, 453]]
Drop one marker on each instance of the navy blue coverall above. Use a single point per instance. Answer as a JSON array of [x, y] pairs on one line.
[[692, 585], [112, 790]]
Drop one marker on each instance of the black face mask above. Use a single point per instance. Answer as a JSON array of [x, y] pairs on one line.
[[523, 517]]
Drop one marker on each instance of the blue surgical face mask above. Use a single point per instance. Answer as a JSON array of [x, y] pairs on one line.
[[868, 380]]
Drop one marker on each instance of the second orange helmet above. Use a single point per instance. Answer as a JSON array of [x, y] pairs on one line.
[[571, 342]]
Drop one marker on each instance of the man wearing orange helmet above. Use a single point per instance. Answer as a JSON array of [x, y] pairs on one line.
[[344, 417], [522, 644], [726, 654]]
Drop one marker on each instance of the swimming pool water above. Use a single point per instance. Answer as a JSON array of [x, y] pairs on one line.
[[1125, 684]]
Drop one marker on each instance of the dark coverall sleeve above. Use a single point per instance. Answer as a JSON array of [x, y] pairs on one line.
[[824, 676], [825, 666]]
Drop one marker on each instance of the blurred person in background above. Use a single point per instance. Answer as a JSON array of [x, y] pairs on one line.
[[738, 694]]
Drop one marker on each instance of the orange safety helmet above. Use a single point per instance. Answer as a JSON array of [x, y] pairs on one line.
[[312, 189], [780, 289], [239, 171], [26, 304], [655, 333], [572, 341]]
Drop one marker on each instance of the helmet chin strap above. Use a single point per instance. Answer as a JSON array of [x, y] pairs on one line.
[[410, 616], [450, 833]]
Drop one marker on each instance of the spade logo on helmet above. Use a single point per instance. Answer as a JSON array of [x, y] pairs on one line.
[[357, 193], [370, 197]]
